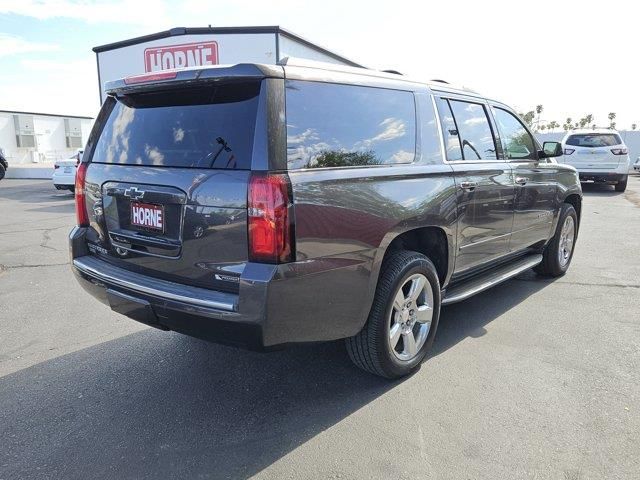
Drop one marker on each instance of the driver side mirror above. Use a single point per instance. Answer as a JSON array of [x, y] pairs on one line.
[[551, 149]]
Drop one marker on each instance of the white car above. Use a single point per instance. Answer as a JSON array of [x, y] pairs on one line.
[[599, 155], [64, 172]]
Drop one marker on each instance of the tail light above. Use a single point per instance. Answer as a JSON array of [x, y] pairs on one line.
[[81, 207], [569, 151], [619, 151], [270, 224], [150, 77]]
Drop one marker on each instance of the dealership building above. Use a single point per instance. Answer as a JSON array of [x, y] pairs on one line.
[[32, 137], [189, 47]]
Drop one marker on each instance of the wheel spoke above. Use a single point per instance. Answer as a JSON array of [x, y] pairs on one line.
[[417, 285], [424, 314], [394, 335], [398, 301], [409, 340]]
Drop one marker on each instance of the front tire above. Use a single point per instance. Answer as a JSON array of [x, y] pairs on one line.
[[621, 186], [403, 319], [558, 253]]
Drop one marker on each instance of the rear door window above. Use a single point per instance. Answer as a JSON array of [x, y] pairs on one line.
[[476, 137], [333, 125], [594, 140], [204, 127], [449, 131]]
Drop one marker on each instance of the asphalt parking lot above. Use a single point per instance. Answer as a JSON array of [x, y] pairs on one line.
[[532, 379]]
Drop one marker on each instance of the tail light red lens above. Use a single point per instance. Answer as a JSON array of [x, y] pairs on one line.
[[81, 207], [619, 151], [269, 219], [569, 151]]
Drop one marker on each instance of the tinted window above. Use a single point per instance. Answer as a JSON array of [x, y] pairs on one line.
[[517, 142], [475, 133], [450, 131], [594, 140], [331, 125], [209, 127]]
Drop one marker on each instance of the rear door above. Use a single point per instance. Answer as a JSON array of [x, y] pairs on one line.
[[535, 180], [484, 183], [167, 183], [591, 152]]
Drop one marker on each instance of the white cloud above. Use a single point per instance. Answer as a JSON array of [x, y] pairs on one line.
[[118, 11], [14, 45]]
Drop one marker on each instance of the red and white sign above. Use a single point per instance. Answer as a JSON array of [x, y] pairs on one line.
[[147, 215], [180, 56]]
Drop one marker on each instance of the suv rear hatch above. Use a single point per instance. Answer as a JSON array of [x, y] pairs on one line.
[[594, 152], [166, 186]]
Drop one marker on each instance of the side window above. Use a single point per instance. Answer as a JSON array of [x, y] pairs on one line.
[[517, 142], [476, 137], [332, 125], [449, 131]]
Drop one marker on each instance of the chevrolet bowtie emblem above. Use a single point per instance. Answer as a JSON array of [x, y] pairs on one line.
[[133, 193]]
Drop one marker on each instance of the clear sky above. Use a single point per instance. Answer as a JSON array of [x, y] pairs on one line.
[[573, 57]]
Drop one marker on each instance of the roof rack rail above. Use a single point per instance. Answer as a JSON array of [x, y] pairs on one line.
[[439, 80], [395, 72]]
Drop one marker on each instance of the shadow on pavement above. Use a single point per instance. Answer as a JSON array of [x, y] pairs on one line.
[[158, 405], [599, 190], [36, 191], [468, 318]]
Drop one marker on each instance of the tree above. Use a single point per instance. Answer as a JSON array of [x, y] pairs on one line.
[[528, 117], [553, 125], [539, 110], [612, 117], [567, 124], [634, 126], [543, 127]]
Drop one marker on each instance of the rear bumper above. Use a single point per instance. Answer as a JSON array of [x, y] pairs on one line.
[[601, 176], [276, 305]]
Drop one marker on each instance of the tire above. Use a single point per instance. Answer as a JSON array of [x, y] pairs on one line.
[[552, 265], [371, 348], [2, 172], [621, 186], [72, 189]]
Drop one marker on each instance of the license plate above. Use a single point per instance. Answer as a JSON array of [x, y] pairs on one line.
[[147, 215]]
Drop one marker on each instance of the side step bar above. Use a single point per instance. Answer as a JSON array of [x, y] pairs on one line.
[[491, 278]]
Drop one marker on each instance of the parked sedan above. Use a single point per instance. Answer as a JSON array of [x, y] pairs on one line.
[[64, 172], [4, 165]]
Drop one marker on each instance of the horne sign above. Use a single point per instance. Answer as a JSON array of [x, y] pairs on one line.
[[180, 56], [195, 47]]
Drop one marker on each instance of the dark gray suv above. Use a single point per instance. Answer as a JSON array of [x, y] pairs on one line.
[[263, 205]]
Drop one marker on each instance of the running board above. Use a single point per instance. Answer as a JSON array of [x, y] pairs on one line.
[[489, 279]]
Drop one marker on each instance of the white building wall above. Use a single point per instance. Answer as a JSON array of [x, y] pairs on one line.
[[51, 142], [291, 48]]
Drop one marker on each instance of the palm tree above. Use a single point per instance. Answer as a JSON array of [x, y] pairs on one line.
[[539, 110], [612, 117], [634, 126]]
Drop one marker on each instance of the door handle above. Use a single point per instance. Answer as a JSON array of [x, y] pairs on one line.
[[522, 180], [468, 185]]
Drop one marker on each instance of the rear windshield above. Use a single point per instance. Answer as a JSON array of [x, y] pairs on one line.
[[594, 140], [205, 127]]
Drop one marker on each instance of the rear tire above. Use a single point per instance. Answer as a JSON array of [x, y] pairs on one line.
[[621, 186], [2, 172], [403, 320], [558, 253]]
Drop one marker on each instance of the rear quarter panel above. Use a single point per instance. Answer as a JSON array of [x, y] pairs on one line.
[[346, 218]]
